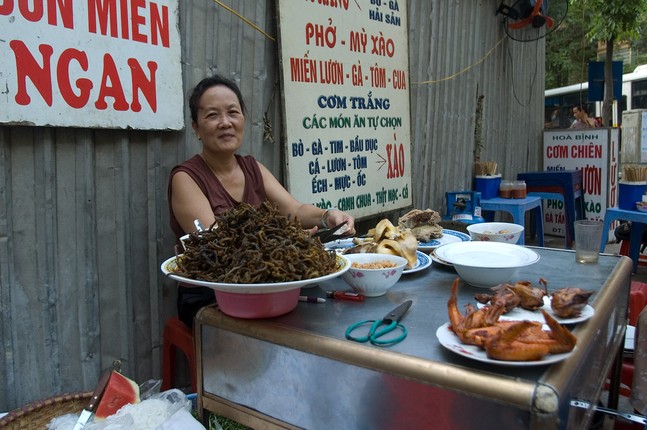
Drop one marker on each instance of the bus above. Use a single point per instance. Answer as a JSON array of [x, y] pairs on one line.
[[559, 102]]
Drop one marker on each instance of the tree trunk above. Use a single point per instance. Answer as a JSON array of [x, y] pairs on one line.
[[607, 104]]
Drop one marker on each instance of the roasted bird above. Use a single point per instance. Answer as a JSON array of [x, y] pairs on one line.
[[525, 341], [507, 340], [532, 298], [501, 291], [569, 302], [423, 224]]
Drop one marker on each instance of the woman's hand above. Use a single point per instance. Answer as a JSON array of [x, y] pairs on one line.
[[333, 217]]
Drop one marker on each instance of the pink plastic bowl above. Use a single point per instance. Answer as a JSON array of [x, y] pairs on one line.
[[265, 305]]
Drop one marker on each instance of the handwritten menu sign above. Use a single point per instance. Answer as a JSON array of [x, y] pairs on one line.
[[345, 72]]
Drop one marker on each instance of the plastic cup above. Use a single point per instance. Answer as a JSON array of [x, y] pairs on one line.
[[588, 234]]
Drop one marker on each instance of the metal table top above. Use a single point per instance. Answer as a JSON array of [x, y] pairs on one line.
[[319, 329]]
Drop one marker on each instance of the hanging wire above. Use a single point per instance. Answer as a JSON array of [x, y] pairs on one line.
[[251, 24], [582, 48], [532, 81], [460, 72]]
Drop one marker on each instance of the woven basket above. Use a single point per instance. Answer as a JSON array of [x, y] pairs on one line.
[[39, 414]]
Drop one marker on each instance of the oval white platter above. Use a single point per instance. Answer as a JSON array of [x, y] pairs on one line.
[[169, 267], [449, 340]]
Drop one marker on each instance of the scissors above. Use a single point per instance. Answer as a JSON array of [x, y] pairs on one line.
[[331, 233], [381, 327]]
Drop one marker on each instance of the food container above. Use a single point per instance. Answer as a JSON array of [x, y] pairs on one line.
[[373, 282], [495, 232], [519, 190], [505, 189], [630, 192], [487, 185]]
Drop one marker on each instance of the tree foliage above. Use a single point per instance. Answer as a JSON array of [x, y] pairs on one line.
[[571, 46], [614, 20]]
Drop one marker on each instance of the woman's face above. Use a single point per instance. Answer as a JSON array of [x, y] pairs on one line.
[[221, 122], [577, 113]]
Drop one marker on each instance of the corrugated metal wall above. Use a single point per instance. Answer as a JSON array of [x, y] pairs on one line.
[[83, 213]]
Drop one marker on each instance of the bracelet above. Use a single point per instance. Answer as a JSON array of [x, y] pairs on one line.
[[324, 217]]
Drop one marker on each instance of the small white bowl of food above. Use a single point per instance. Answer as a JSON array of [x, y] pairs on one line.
[[373, 274], [504, 232]]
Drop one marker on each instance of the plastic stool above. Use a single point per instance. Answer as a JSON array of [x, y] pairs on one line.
[[638, 221], [517, 208], [624, 250], [177, 336], [637, 301], [551, 185]]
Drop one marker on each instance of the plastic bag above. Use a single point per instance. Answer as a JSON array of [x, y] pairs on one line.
[[152, 412], [145, 415]]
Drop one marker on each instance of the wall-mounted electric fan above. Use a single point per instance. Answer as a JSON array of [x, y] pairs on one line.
[[537, 18]]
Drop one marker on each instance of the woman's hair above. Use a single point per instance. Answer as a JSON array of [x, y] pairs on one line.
[[582, 108], [207, 83]]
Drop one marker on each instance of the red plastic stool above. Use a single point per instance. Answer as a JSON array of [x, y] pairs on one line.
[[624, 250], [637, 301], [177, 336]]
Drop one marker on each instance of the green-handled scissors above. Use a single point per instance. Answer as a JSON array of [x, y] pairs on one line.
[[381, 327]]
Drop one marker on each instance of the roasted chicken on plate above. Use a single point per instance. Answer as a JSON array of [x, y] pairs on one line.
[[564, 302], [569, 302], [507, 340]]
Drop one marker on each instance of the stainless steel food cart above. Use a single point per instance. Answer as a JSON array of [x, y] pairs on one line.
[[299, 371]]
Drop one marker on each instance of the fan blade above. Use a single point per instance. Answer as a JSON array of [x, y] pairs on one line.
[[521, 24]]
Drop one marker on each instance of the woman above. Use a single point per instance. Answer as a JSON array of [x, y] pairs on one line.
[[582, 119], [218, 179]]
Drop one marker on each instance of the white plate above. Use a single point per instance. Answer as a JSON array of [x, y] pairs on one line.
[[519, 313], [423, 262], [168, 268], [449, 340], [449, 236], [436, 259], [487, 254]]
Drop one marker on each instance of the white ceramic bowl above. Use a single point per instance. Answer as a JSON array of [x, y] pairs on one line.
[[486, 264], [373, 282], [641, 206], [495, 232]]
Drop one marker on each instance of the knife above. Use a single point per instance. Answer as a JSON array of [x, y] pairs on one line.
[[88, 411]]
